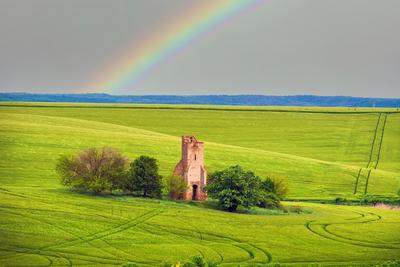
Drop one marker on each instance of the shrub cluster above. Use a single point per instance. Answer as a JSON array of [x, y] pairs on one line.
[[391, 263], [176, 186], [106, 169], [235, 187], [195, 261], [367, 200]]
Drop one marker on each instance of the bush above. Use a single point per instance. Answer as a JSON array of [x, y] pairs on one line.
[[93, 169], [295, 209], [392, 263], [340, 200], [198, 261], [176, 186], [143, 177], [268, 200], [271, 192], [273, 264], [234, 187], [195, 261], [281, 189], [275, 185], [373, 200]]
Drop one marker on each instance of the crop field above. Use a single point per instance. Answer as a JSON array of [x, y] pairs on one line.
[[321, 153]]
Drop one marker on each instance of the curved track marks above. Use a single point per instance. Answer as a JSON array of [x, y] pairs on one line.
[[254, 253], [55, 250], [321, 229]]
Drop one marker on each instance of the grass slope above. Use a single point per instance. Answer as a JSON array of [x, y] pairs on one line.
[[55, 227], [42, 224], [39, 140]]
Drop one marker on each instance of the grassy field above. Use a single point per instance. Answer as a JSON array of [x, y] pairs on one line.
[[322, 153]]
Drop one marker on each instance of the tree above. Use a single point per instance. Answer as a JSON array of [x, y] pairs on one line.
[[271, 192], [276, 186], [143, 177], [93, 169], [176, 186], [268, 200], [234, 187], [281, 188]]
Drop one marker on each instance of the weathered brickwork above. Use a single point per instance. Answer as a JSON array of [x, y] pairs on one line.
[[191, 167]]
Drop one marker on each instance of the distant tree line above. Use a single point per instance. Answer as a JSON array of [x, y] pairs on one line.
[[106, 170], [241, 100]]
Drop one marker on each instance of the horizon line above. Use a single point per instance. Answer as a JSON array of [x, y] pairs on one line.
[[197, 95]]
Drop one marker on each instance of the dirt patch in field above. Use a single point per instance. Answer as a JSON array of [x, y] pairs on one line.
[[386, 206]]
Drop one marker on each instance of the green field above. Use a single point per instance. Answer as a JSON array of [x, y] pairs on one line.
[[322, 153]]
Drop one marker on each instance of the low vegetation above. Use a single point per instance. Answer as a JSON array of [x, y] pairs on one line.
[[235, 187], [319, 152], [392, 263], [195, 261], [104, 170], [368, 200], [176, 186], [93, 169]]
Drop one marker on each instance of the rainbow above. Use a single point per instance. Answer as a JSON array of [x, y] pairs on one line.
[[170, 39]]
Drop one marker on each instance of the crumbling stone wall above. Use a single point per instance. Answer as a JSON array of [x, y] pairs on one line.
[[191, 168]]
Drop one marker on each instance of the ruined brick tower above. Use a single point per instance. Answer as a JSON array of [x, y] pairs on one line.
[[191, 168]]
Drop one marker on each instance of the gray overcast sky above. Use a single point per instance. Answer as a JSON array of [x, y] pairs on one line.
[[280, 47]]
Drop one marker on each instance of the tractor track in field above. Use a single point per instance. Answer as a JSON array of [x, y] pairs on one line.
[[362, 215], [202, 239], [183, 237], [76, 256], [8, 192], [56, 211], [367, 182], [63, 230], [50, 251], [33, 197], [231, 241], [373, 140], [67, 259], [182, 233], [34, 252], [110, 231], [323, 231], [57, 227], [196, 229], [357, 179], [42, 255], [380, 143], [375, 152], [124, 226]]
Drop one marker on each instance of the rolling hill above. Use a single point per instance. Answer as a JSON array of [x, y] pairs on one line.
[[322, 153]]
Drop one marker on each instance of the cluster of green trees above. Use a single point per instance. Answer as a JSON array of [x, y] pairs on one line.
[[235, 187], [106, 169]]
